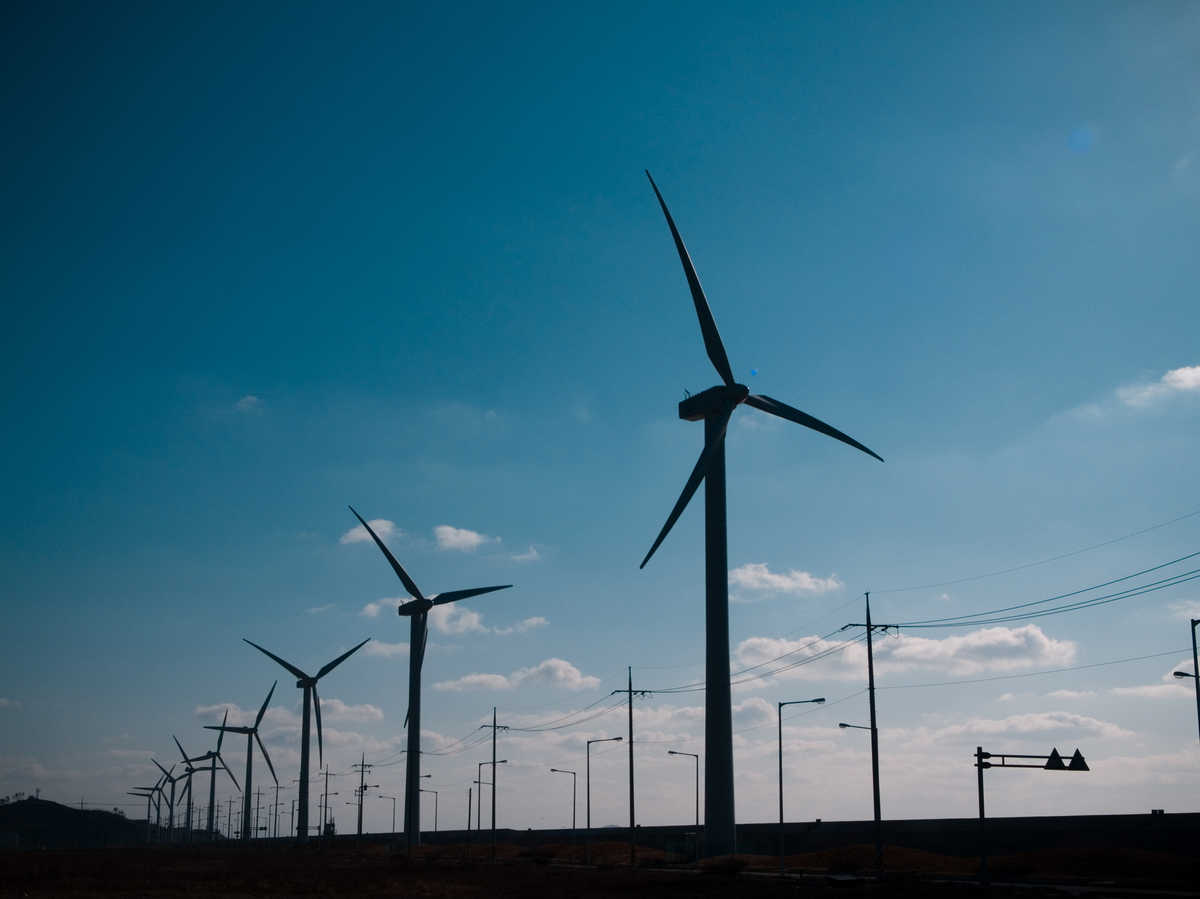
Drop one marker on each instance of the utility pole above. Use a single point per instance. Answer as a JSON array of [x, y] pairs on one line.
[[276, 810], [469, 800], [632, 826], [495, 727], [257, 809], [363, 768], [874, 725], [229, 819], [1194, 674], [292, 819]]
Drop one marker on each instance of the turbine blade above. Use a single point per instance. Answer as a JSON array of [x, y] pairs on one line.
[[288, 665], [324, 671], [221, 732], [689, 489], [456, 595], [396, 566], [166, 776], [317, 709], [230, 773], [181, 752], [708, 327], [266, 755], [783, 410], [263, 710]]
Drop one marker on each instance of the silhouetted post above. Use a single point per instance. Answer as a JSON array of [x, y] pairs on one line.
[[980, 764], [229, 819], [494, 772], [695, 756], [632, 826], [1195, 672], [292, 818], [302, 799], [573, 794], [780, 705], [362, 767], [435, 807], [479, 801], [412, 762], [587, 846], [870, 628], [469, 800], [874, 739]]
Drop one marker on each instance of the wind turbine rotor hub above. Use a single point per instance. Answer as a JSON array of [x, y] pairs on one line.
[[713, 401], [415, 607]]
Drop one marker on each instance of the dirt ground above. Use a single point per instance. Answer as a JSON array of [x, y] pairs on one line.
[[346, 869]]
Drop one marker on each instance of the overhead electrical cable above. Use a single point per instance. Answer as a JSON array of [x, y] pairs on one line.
[[1066, 555]]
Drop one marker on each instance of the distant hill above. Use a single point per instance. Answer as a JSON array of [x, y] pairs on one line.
[[39, 823]]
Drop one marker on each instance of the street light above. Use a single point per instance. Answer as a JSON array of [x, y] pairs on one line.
[[435, 806], [697, 758], [573, 791], [393, 798], [587, 752], [479, 800], [875, 787], [819, 700]]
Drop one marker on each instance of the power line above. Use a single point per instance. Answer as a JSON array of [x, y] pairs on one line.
[[981, 680], [1067, 555]]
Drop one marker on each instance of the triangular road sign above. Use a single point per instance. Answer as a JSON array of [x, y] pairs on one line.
[[1077, 763], [1055, 762]]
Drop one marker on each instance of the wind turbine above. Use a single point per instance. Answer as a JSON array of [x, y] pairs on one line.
[[308, 684], [417, 611], [188, 771], [167, 776], [212, 757], [251, 735], [714, 407]]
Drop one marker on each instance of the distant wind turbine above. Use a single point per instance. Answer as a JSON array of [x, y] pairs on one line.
[[308, 684], [715, 406], [171, 779], [251, 736], [212, 757], [417, 611]]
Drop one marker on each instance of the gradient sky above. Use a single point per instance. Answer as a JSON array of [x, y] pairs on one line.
[[261, 262]]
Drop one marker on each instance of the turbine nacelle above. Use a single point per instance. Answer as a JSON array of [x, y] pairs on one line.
[[713, 401], [415, 607]]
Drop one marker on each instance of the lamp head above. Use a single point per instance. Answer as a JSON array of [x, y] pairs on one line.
[[1183, 674]]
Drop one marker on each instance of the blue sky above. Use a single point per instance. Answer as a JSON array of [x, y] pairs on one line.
[[262, 263]]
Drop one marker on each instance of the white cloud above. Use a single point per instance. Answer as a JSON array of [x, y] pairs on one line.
[[1176, 381], [1186, 608], [387, 604], [449, 537], [987, 650], [1006, 697], [551, 672], [1153, 691], [1070, 694], [385, 649], [531, 556], [381, 526], [521, 626], [1035, 723], [756, 576], [317, 610], [336, 710], [454, 619], [6, 703], [248, 404]]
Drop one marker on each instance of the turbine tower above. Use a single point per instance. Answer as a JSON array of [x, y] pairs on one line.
[[308, 684], [188, 771], [167, 776], [417, 611], [714, 407], [251, 735], [212, 757]]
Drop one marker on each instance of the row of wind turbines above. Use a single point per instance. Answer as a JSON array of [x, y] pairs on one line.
[[715, 407]]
